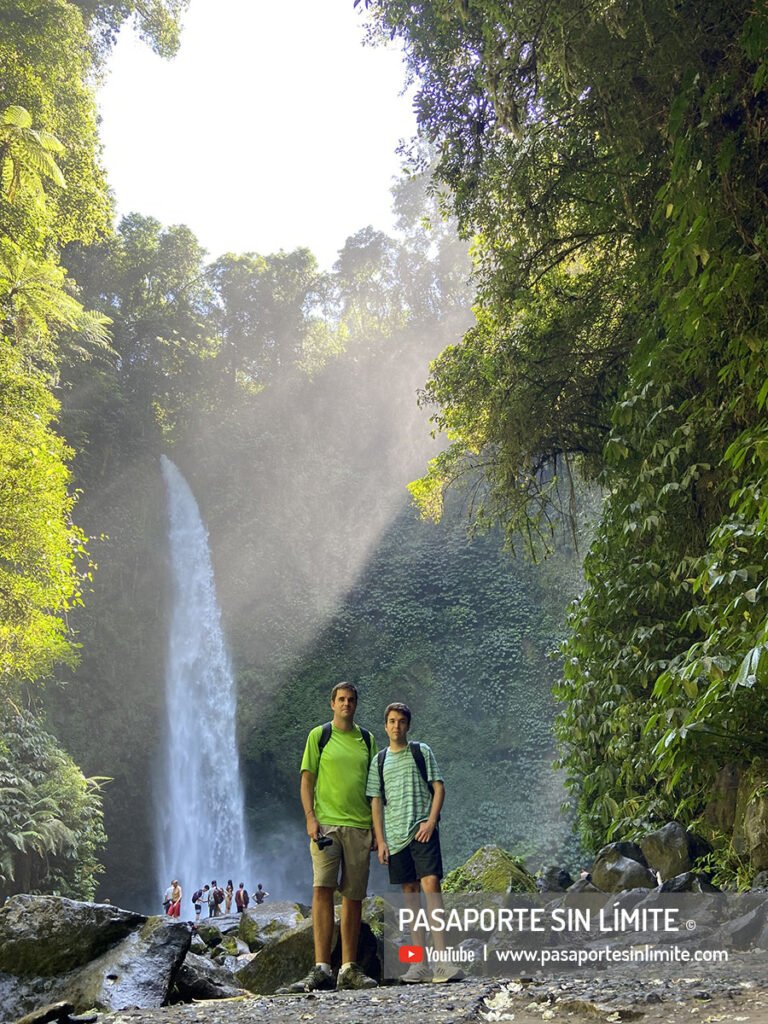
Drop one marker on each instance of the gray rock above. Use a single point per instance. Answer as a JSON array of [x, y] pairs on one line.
[[614, 871], [282, 961], [45, 936], [210, 932], [554, 879], [290, 956], [264, 922], [667, 850], [198, 978], [582, 885], [139, 971], [688, 881], [91, 955], [748, 931]]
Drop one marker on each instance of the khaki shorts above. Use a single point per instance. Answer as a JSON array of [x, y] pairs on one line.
[[350, 852]]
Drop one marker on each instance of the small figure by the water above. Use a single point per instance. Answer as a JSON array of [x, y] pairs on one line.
[[260, 894], [241, 898], [198, 899], [167, 898], [174, 907], [215, 899], [228, 894]]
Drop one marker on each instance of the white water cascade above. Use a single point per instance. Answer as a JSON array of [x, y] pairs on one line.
[[200, 804]]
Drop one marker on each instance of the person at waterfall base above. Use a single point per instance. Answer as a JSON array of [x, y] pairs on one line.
[[174, 909], [228, 894], [215, 899], [167, 898], [198, 899], [334, 770], [260, 894], [407, 794], [241, 898]]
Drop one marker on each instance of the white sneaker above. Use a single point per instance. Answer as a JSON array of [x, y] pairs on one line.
[[447, 972], [417, 974]]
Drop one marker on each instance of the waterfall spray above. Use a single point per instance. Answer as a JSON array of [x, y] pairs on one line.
[[200, 803]]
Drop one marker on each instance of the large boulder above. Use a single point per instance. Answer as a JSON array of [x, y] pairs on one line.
[[139, 971], [91, 955], [260, 924], [614, 870], [282, 961], [44, 936], [290, 956], [199, 978], [667, 850], [490, 869]]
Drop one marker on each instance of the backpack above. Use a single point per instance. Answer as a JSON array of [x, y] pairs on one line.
[[197, 895], [421, 764], [325, 735], [218, 895]]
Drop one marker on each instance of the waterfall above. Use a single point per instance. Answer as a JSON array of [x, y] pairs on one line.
[[200, 802]]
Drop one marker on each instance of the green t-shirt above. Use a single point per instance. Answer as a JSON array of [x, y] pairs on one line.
[[408, 798], [340, 782]]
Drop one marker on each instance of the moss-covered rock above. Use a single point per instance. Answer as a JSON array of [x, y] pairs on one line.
[[490, 869], [373, 915], [282, 961], [210, 933], [258, 925]]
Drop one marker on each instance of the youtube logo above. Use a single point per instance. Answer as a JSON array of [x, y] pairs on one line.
[[411, 954]]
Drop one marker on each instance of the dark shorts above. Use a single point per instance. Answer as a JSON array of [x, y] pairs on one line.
[[417, 860]]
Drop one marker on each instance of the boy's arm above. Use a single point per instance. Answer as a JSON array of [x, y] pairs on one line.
[[426, 828], [378, 830]]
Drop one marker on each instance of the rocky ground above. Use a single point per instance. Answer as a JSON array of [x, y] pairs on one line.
[[735, 992]]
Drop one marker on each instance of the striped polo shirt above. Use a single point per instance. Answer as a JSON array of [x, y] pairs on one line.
[[408, 797]]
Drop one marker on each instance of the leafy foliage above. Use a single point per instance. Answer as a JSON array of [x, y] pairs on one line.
[[40, 579], [610, 163], [50, 815]]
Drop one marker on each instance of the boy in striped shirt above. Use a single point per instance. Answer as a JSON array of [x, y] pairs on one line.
[[405, 816]]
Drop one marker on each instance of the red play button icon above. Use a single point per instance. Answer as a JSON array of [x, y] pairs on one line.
[[411, 954]]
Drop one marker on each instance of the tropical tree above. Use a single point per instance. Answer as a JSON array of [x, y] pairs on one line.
[[609, 164]]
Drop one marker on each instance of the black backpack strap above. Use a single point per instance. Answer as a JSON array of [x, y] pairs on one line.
[[325, 735], [380, 758], [421, 764], [367, 737]]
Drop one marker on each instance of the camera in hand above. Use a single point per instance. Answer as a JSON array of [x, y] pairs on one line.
[[323, 841]]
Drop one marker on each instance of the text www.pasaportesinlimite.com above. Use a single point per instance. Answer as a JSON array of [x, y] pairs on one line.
[[607, 954]]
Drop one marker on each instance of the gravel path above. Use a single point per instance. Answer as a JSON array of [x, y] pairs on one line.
[[661, 994]]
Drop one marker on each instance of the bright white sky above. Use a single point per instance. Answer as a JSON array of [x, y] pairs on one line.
[[273, 127]]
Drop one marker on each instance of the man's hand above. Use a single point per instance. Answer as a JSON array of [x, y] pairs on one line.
[[426, 828], [383, 851], [313, 826]]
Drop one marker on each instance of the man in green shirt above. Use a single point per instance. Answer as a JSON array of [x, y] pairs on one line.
[[334, 771]]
